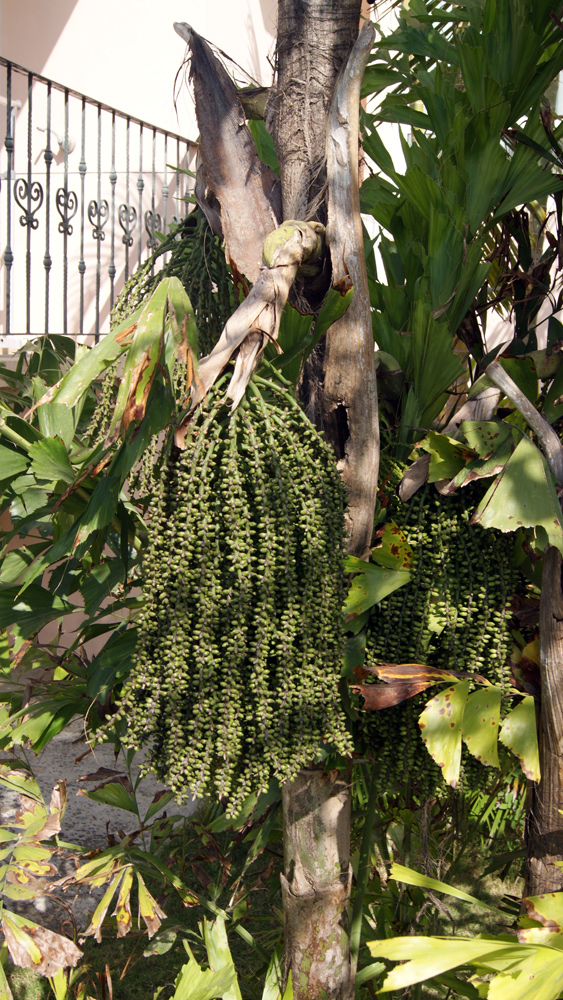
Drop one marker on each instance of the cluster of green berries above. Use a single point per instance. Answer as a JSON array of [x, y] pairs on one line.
[[240, 643], [454, 614]]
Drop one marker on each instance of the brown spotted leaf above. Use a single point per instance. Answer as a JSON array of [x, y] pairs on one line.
[[482, 468], [27, 870], [519, 734], [39, 822], [485, 436], [447, 456], [481, 721], [440, 724], [394, 552], [547, 909], [34, 947]]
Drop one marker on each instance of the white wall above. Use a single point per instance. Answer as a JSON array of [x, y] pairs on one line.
[[125, 53]]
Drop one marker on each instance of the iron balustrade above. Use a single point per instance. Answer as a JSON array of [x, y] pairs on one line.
[[85, 187]]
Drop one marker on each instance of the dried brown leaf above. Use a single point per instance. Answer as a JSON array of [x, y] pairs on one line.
[[100, 774], [415, 477], [379, 696], [34, 947]]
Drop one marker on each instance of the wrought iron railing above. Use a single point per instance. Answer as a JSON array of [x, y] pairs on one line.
[[84, 191]]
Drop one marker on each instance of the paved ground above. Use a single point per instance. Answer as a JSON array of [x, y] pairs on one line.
[[85, 823]]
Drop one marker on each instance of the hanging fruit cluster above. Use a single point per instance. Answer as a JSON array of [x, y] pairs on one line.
[[454, 614], [238, 661]]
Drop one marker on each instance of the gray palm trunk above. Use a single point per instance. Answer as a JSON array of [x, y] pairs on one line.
[[313, 115]]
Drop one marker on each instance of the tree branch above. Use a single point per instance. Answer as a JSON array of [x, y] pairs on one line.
[[349, 415], [257, 319], [545, 434], [247, 190]]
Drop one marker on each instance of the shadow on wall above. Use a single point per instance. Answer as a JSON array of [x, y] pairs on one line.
[[31, 29]]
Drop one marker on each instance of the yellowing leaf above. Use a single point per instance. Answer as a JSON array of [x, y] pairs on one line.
[[410, 877], [20, 781], [26, 853], [149, 909], [95, 926], [481, 723], [123, 906], [100, 869], [14, 890], [425, 957], [518, 733], [219, 954], [440, 723], [206, 984], [540, 979]]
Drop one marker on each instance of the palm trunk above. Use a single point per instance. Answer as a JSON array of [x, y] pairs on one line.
[[316, 885], [545, 822], [315, 115], [317, 807]]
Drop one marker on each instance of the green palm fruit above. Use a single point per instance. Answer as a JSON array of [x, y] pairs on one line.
[[238, 661], [454, 614]]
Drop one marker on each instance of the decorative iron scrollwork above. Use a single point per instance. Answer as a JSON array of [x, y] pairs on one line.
[[127, 220], [98, 216], [25, 194], [153, 224], [67, 205]]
